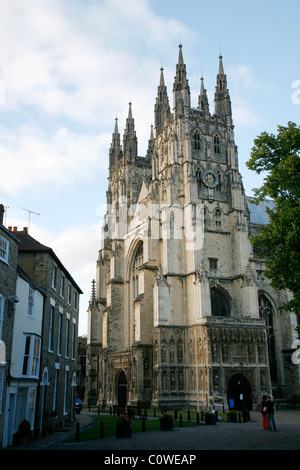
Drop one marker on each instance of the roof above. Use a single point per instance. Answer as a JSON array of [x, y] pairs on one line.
[[30, 244], [258, 214]]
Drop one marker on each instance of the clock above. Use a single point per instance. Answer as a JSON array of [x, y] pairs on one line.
[[210, 178]]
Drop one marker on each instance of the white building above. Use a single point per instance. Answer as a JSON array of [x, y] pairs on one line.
[[23, 376]]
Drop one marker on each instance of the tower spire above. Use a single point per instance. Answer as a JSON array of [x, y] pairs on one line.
[[222, 98], [161, 108], [181, 89], [203, 100], [129, 137], [115, 151]]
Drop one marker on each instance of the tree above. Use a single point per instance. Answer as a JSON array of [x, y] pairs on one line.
[[279, 241]]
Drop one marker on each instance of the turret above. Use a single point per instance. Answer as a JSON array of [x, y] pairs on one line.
[[129, 138], [161, 108], [203, 100], [181, 89], [222, 98]]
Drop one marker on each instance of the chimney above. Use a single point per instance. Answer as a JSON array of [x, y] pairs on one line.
[[1, 213], [25, 229], [10, 228], [15, 229]]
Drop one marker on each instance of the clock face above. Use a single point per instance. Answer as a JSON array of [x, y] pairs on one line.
[[210, 178]]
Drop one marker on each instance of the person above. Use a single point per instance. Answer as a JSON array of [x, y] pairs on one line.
[[263, 409], [270, 413]]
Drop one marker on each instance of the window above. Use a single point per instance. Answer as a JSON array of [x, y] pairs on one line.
[[197, 140], [218, 216], [75, 300], [60, 318], [199, 181], [31, 302], [138, 261], [220, 306], [69, 294], [205, 217], [62, 285], [213, 264], [67, 337], [219, 187], [31, 406], [73, 338], [51, 325], [54, 406], [216, 144], [31, 356], [54, 276], [4, 249], [266, 312], [1, 314]]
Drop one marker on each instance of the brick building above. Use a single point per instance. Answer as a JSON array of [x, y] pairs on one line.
[[180, 313], [58, 364], [8, 279]]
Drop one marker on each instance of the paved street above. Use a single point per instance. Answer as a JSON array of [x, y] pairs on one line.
[[222, 436]]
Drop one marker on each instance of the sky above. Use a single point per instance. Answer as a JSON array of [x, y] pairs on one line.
[[68, 68]]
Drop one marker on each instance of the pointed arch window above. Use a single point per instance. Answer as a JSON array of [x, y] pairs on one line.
[[216, 144], [266, 311], [197, 140], [137, 263], [199, 181], [218, 219], [219, 187], [220, 305]]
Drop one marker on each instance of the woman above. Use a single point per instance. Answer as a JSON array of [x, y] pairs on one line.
[[270, 414], [263, 410]]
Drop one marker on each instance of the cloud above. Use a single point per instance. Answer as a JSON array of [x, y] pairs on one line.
[[31, 158]]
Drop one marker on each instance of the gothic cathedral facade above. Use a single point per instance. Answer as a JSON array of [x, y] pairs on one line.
[[180, 314]]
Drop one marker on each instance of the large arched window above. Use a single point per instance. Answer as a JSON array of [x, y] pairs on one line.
[[266, 311], [220, 305], [137, 263]]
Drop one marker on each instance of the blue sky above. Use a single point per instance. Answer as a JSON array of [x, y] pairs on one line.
[[69, 67]]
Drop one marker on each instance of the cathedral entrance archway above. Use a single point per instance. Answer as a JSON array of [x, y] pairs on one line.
[[122, 390], [239, 393]]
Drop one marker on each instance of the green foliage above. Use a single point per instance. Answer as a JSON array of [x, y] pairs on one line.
[[279, 241]]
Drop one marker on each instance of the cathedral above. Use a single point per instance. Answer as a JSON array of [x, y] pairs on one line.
[[181, 315]]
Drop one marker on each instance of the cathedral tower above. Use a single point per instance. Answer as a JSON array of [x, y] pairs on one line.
[[176, 312]]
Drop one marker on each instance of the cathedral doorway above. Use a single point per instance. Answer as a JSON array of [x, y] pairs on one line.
[[239, 393], [122, 390]]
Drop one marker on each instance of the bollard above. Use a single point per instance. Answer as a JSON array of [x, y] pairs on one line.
[[101, 429], [216, 414], [98, 410], [77, 438], [175, 417], [201, 415], [198, 420], [154, 412], [180, 420], [143, 424], [189, 415]]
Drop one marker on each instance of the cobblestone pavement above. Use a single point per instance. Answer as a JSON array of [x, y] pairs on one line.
[[222, 436]]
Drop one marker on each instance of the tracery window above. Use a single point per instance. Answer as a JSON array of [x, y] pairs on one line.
[[199, 181], [197, 140], [216, 144], [218, 219], [138, 261], [266, 312], [220, 306]]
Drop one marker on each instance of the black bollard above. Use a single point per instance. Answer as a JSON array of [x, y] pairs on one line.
[[98, 410], [143, 424], [154, 412], [198, 420], [77, 438], [189, 415], [175, 417], [201, 415], [101, 429], [216, 414], [180, 420]]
